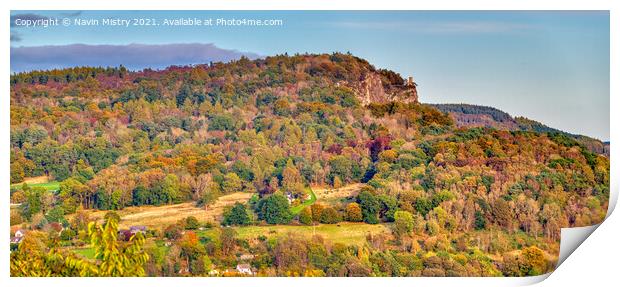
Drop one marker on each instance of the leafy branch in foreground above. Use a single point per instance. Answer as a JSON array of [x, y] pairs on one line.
[[112, 257]]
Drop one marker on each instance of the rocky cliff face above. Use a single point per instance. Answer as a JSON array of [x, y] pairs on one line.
[[372, 89]]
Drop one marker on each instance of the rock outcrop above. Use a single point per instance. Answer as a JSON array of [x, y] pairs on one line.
[[372, 89]]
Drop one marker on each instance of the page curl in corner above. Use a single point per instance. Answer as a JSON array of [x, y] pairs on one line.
[[572, 238]]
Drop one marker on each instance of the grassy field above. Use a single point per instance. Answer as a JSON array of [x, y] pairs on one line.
[[310, 201], [39, 181], [346, 232], [34, 180], [87, 252], [333, 195], [158, 217]]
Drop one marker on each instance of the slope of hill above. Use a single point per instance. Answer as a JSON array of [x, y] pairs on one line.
[[466, 115], [449, 200]]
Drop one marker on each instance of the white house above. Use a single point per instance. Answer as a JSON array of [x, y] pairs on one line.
[[20, 233], [19, 236], [245, 269]]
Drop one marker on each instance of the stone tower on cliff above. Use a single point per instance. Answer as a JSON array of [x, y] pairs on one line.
[[372, 90]]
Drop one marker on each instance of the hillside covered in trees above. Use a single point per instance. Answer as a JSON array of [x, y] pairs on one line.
[[466, 115], [453, 200]]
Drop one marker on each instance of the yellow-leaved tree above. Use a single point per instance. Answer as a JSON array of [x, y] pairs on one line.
[[113, 258]]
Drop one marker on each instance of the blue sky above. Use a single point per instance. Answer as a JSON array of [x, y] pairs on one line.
[[549, 66]]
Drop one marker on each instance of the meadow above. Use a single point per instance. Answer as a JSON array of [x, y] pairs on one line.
[[349, 233], [158, 217], [39, 181]]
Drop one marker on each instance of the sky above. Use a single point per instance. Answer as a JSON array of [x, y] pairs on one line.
[[550, 66]]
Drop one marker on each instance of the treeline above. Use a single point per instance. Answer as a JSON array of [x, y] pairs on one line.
[[496, 114], [67, 75]]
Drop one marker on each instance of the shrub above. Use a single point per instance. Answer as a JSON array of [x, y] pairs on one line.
[[354, 212], [173, 231], [305, 216], [330, 216], [316, 208], [191, 223]]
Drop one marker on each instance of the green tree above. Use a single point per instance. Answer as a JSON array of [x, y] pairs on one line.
[[343, 168], [207, 197], [191, 223], [56, 214], [237, 215], [170, 189], [82, 171], [222, 123], [370, 206], [142, 196], [34, 201], [387, 207], [480, 222], [330, 216], [423, 205], [274, 209], [73, 194], [232, 183], [403, 222], [305, 216]]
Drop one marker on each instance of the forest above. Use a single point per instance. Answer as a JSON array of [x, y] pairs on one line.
[[92, 148]]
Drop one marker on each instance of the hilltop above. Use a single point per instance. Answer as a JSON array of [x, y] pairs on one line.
[[342, 72]]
